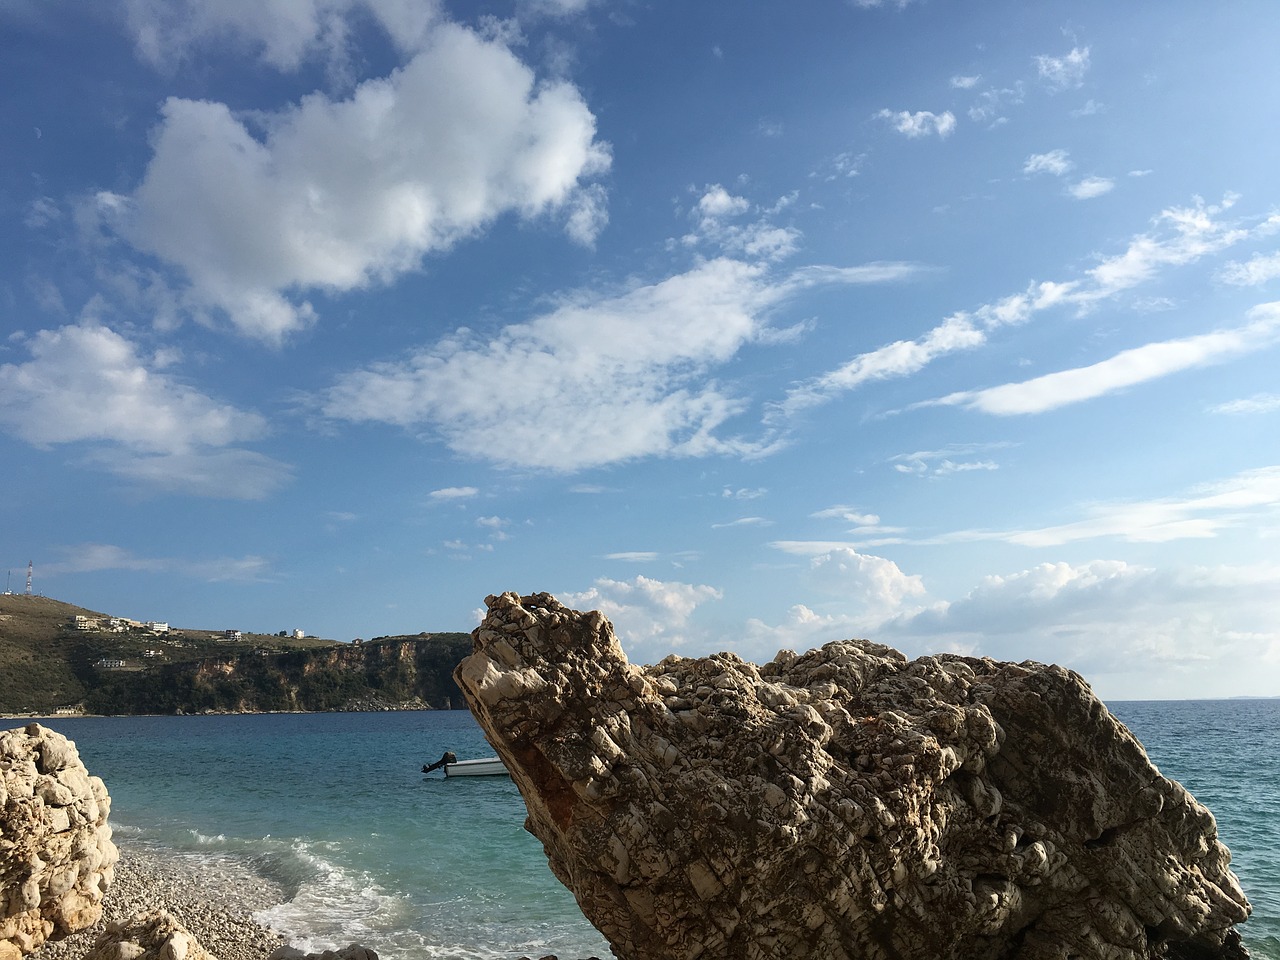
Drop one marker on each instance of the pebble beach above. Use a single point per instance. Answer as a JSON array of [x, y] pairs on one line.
[[215, 902]]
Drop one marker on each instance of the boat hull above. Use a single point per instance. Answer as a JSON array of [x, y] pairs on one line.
[[488, 767]]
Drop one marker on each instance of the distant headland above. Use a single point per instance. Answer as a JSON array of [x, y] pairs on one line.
[[57, 658]]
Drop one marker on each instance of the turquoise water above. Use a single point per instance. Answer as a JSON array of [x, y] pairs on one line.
[[334, 806]]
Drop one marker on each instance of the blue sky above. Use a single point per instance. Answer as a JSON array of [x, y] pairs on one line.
[[953, 325]]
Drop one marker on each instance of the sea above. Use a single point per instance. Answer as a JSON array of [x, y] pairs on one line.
[[368, 849]]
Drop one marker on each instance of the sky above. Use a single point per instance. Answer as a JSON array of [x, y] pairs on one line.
[[949, 324]]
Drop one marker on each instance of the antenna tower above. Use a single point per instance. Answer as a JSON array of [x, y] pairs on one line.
[[30, 565]]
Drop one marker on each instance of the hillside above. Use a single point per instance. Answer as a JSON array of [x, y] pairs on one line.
[[46, 663]]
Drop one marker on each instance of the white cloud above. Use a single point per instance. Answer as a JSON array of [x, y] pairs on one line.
[[340, 194], [922, 123], [1091, 187], [1258, 403], [650, 617], [940, 463], [453, 493], [872, 4], [633, 556], [1056, 162], [872, 586], [848, 514], [596, 380], [965, 82], [285, 33], [1176, 633], [95, 557], [1065, 72], [990, 105], [743, 522], [1256, 271], [86, 384], [758, 240], [1126, 369], [1185, 235]]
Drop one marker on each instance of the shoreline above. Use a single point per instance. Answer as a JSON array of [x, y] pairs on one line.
[[215, 901]]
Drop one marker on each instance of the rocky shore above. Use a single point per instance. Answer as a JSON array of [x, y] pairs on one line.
[[216, 903]]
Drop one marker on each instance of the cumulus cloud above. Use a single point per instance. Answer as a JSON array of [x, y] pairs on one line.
[[1183, 235], [86, 384], [961, 82], [596, 380], [650, 617], [1056, 162], [334, 195], [922, 123], [760, 239], [1065, 72], [1091, 187], [1126, 369]]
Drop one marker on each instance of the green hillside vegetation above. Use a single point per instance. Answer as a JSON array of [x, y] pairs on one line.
[[47, 664]]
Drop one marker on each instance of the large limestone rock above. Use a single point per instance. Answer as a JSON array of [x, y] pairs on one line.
[[843, 805], [56, 854]]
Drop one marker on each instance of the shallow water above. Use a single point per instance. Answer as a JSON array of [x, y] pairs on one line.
[[335, 808]]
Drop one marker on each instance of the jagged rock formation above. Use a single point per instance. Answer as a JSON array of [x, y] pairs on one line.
[[843, 804], [56, 854], [156, 935]]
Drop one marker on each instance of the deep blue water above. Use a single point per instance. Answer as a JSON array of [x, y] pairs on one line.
[[335, 807]]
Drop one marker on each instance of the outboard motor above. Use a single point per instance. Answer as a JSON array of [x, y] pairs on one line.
[[447, 758]]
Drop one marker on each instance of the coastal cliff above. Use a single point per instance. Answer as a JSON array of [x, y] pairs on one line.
[[394, 673], [847, 803]]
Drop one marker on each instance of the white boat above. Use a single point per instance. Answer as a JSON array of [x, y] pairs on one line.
[[453, 767], [486, 767]]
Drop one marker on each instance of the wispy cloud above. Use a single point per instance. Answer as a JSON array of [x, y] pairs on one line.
[[1257, 270], [453, 493], [633, 556], [1126, 369], [1243, 500], [1183, 235], [958, 458], [1065, 72], [743, 522], [1258, 403], [1056, 162], [97, 557], [1091, 187], [960, 82], [598, 379]]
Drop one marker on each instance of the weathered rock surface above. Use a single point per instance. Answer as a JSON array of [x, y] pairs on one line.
[[353, 951], [156, 935], [847, 803], [56, 854]]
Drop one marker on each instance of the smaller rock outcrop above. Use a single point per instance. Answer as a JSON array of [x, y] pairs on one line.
[[847, 804], [56, 854], [148, 936], [352, 951]]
